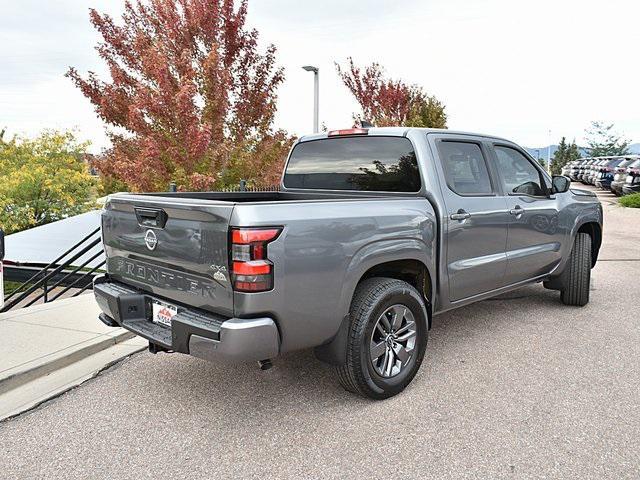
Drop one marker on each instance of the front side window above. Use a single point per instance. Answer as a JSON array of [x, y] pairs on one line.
[[383, 164], [518, 174], [465, 168]]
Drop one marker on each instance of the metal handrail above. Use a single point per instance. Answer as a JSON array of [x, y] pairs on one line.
[[53, 264], [87, 285], [59, 282], [56, 268]]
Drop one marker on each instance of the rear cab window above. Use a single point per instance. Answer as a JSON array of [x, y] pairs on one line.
[[366, 163]]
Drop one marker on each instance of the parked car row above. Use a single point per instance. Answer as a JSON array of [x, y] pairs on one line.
[[620, 174]]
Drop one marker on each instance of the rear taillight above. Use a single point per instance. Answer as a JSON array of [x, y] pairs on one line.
[[250, 267]]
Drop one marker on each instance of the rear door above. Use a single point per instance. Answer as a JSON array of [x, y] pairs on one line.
[[173, 247], [476, 216], [535, 235]]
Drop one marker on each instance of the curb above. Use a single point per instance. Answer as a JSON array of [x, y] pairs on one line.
[[47, 366], [43, 389]]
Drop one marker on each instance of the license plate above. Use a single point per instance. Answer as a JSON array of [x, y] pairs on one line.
[[163, 313]]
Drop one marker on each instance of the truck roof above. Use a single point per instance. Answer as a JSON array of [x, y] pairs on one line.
[[402, 132]]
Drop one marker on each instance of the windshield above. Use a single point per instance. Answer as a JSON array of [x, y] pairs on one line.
[[383, 164]]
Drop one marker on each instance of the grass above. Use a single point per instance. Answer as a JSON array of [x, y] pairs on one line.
[[632, 201], [9, 287]]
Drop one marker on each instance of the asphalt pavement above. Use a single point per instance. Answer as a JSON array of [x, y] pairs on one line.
[[515, 387]]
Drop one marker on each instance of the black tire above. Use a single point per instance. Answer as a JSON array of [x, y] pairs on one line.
[[373, 298], [578, 273]]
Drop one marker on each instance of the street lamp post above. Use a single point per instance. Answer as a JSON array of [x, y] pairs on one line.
[[316, 96], [549, 154]]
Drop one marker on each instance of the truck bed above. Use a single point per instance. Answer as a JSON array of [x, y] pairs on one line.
[[253, 197], [172, 244], [177, 246]]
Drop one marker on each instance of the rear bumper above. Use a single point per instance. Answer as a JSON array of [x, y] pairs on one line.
[[201, 334]]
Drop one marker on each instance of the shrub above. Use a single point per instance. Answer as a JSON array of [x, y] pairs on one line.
[[632, 200]]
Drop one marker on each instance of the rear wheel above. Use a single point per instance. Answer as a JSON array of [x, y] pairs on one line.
[[578, 273], [387, 338]]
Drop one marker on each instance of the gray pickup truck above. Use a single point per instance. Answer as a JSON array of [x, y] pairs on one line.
[[373, 232]]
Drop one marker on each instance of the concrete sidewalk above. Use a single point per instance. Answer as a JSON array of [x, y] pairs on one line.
[[50, 348]]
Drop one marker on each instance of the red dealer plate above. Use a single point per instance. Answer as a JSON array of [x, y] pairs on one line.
[[163, 313]]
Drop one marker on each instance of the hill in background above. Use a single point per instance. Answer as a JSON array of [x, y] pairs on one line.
[[542, 151]]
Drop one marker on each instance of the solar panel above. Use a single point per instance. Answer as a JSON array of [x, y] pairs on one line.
[[42, 245]]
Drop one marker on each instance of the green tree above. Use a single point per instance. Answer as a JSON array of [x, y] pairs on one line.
[[604, 141], [428, 112], [43, 180], [565, 153]]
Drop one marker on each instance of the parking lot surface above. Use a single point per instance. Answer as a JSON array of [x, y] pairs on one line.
[[515, 387]]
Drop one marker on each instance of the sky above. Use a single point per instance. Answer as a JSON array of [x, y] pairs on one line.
[[529, 71]]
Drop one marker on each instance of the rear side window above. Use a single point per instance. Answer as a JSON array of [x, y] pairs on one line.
[[382, 164], [465, 168]]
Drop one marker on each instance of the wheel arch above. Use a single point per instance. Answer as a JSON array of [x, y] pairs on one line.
[[594, 230], [411, 270]]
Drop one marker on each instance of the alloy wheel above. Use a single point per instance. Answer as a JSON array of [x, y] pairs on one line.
[[393, 341]]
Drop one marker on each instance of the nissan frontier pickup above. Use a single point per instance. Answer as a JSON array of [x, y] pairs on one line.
[[373, 233]]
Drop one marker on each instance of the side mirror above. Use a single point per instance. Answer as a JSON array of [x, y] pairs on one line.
[[560, 184], [1, 245]]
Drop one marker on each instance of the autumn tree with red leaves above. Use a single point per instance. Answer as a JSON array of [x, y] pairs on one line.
[[386, 102], [191, 99]]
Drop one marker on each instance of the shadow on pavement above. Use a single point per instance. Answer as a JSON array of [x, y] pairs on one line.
[[298, 379]]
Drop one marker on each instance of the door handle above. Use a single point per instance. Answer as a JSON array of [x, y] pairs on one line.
[[517, 211], [461, 215]]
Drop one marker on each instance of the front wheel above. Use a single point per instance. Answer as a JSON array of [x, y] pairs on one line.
[[387, 338], [578, 273]]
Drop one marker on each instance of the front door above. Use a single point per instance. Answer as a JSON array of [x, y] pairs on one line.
[[535, 234], [476, 217]]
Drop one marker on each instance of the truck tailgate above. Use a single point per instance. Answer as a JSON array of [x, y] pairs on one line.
[[173, 248]]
